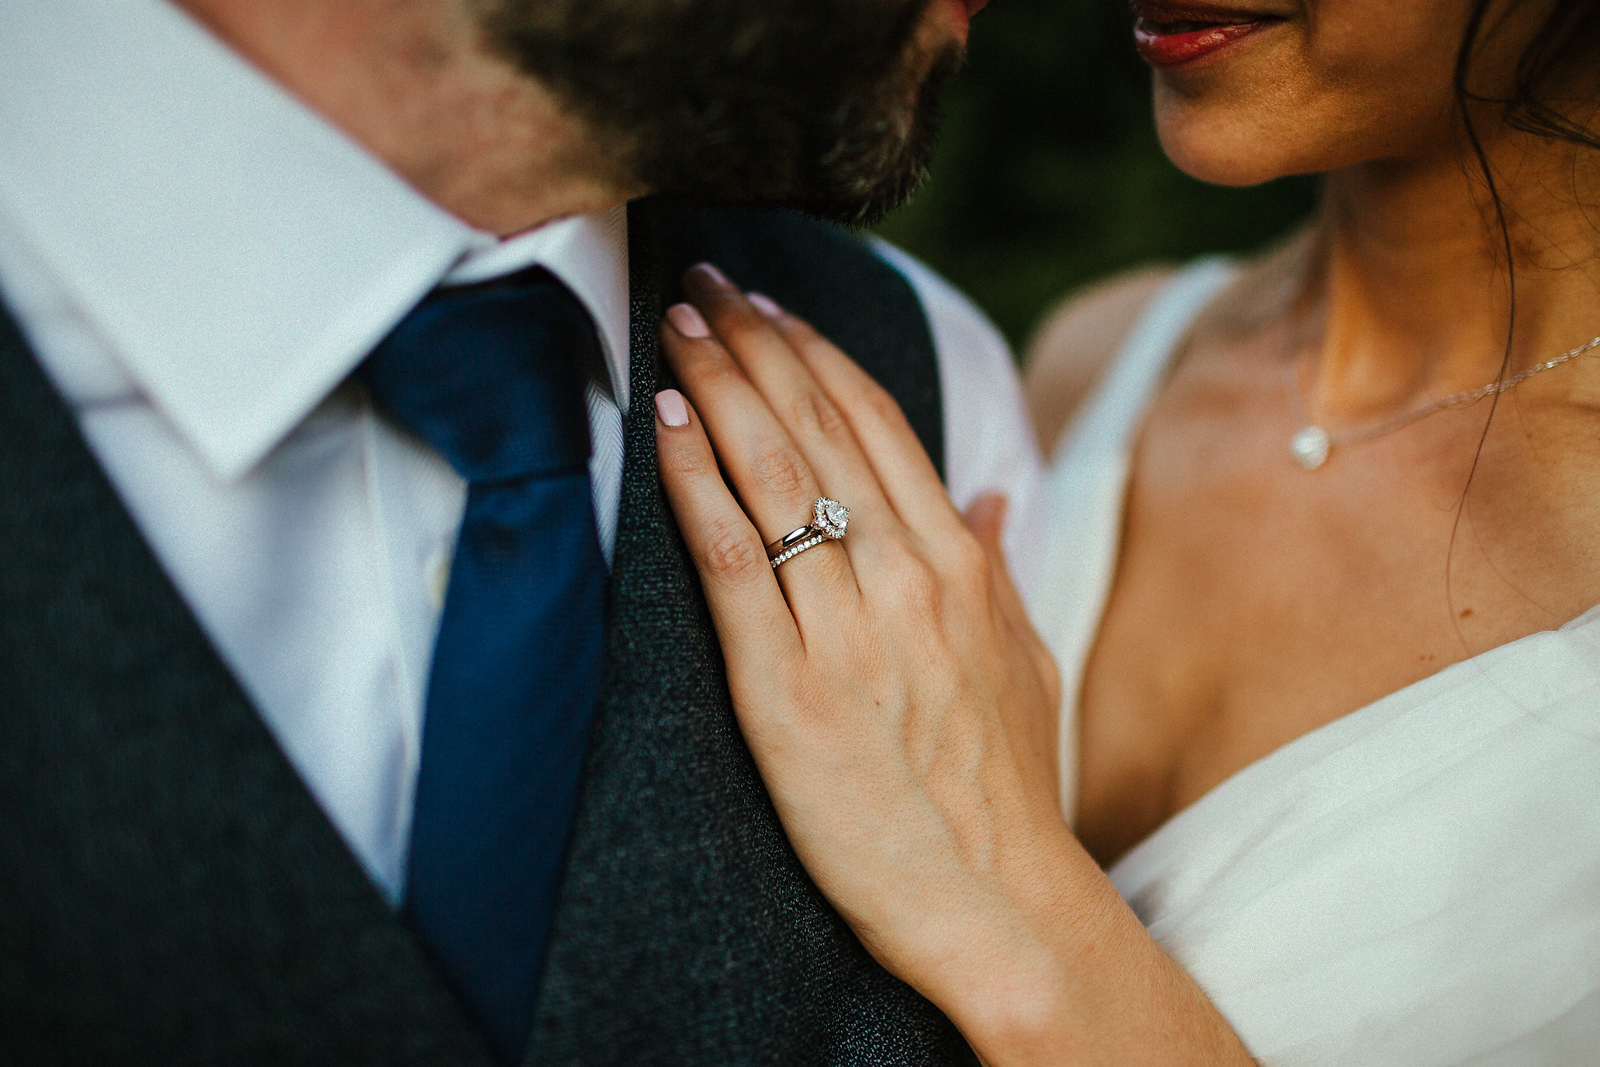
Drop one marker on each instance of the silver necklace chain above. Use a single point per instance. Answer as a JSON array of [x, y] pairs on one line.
[[1311, 443]]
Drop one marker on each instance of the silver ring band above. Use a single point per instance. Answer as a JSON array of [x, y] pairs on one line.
[[790, 553], [829, 519], [790, 539]]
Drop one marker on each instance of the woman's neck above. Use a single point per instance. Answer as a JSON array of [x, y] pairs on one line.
[[1407, 295]]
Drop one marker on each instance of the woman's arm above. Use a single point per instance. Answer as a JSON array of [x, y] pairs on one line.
[[900, 708]]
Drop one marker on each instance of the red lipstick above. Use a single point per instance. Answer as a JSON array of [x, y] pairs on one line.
[[1174, 34]]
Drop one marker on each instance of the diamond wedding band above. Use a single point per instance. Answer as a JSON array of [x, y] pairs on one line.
[[828, 521]]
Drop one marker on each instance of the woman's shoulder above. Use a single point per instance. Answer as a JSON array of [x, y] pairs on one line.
[[1083, 335], [1077, 342]]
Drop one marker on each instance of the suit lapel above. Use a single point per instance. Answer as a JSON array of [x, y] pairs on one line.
[[687, 930], [640, 954], [169, 882]]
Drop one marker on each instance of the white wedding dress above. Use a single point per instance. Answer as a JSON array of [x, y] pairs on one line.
[[1416, 883]]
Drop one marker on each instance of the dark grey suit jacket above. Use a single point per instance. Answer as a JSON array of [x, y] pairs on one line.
[[171, 893]]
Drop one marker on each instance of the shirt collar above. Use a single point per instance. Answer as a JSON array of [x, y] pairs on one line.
[[589, 253], [238, 254]]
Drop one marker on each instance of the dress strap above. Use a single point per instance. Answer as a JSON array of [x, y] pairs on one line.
[[1087, 482], [1115, 408]]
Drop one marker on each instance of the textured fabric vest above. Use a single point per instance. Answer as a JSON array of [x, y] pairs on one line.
[[170, 891]]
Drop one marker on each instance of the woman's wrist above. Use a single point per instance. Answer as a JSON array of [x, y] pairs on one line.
[[1002, 957], [1051, 966]]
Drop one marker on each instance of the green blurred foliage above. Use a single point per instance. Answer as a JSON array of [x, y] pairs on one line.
[[1049, 174]]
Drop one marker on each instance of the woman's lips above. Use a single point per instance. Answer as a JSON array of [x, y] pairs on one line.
[[1170, 36]]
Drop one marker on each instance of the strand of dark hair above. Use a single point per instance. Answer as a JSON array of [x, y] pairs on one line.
[[1569, 33], [1464, 100]]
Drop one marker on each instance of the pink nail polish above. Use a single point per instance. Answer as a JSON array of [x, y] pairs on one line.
[[712, 275], [687, 321], [765, 304], [671, 408]]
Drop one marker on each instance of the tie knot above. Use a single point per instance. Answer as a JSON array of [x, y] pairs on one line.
[[492, 376]]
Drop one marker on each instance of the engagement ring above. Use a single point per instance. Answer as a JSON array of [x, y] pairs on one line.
[[829, 518]]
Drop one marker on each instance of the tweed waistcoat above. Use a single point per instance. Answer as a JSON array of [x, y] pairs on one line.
[[170, 891]]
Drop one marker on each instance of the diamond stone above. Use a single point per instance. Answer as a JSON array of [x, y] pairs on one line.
[[831, 517], [1310, 447]]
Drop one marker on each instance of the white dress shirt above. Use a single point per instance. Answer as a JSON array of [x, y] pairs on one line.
[[199, 262]]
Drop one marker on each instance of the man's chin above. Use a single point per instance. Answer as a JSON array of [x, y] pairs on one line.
[[885, 175], [874, 166], [826, 106]]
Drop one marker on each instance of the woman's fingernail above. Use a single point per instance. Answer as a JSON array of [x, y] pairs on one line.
[[711, 274], [671, 408], [765, 304], [686, 319]]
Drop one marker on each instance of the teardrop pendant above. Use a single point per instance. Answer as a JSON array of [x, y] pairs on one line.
[[1310, 447]]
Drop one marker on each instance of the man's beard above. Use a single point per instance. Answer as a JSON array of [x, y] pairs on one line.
[[829, 106]]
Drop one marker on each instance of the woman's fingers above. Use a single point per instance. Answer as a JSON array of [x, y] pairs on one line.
[[799, 404], [1033, 732], [986, 519], [753, 621], [777, 486], [909, 479]]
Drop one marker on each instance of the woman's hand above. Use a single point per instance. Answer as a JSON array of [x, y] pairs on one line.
[[900, 708]]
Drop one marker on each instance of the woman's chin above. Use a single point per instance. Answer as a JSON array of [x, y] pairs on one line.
[[1221, 169], [1221, 153]]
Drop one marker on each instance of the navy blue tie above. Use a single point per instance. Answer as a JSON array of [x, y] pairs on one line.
[[492, 376]]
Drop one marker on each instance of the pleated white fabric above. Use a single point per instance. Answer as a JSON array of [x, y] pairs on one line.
[[1417, 883]]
